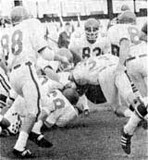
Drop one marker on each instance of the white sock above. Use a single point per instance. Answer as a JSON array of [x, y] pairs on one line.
[[21, 141], [128, 113], [132, 124], [37, 127]]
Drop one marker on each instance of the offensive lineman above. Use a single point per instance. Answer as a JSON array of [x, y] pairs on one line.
[[21, 46], [102, 71]]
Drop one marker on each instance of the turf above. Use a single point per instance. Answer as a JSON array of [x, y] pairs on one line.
[[96, 137]]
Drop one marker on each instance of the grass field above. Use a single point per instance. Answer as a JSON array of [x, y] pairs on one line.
[[96, 137]]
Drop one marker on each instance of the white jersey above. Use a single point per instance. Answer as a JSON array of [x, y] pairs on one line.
[[22, 42], [87, 72], [85, 49], [122, 31], [64, 111]]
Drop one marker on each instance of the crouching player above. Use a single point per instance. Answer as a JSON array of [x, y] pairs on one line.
[[65, 107]]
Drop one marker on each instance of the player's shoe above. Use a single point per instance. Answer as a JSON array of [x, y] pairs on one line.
[[26, 153], [126, 142], [40, 140]]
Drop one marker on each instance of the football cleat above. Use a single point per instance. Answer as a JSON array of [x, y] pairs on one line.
[[40, 140], [126, 142], [26, 153]]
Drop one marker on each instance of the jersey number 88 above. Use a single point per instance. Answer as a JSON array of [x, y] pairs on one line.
[[16, 43]]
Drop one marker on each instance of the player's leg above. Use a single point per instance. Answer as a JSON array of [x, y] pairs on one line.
[[127, 89], [14, 114], [32, 98], [70, 115], [129, 129], [138, 72], [36, 135], [27, 85], [112, 93], [83, 104]]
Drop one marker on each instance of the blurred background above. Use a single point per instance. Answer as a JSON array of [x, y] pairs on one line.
[[55, 13]]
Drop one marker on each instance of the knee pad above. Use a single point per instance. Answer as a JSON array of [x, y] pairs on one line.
[[141, 109]]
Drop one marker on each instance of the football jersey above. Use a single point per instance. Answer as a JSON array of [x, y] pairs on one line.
[[88, 71], [120, 31], [22, 42], [85, 49], [64, 111]]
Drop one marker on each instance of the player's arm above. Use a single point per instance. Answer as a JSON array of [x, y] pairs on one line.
[[123, 53], [40, 44], [49, 55]]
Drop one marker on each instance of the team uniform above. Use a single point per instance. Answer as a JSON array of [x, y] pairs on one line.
[[102, 71], [21, 60], [84, 49], [135, 60], [21, 45], [62, 111]]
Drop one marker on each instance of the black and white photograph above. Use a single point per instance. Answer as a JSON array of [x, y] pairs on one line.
[[73, 80]]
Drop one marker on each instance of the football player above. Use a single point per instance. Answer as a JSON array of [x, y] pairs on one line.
[[102, 71], [136, 63], [133, 58], [114, 34], [91, 43], [60, 72], [63, 111], [21, 44]]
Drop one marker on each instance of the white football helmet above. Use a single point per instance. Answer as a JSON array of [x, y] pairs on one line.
[[91, 27], [127, 17], [18, 14]]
